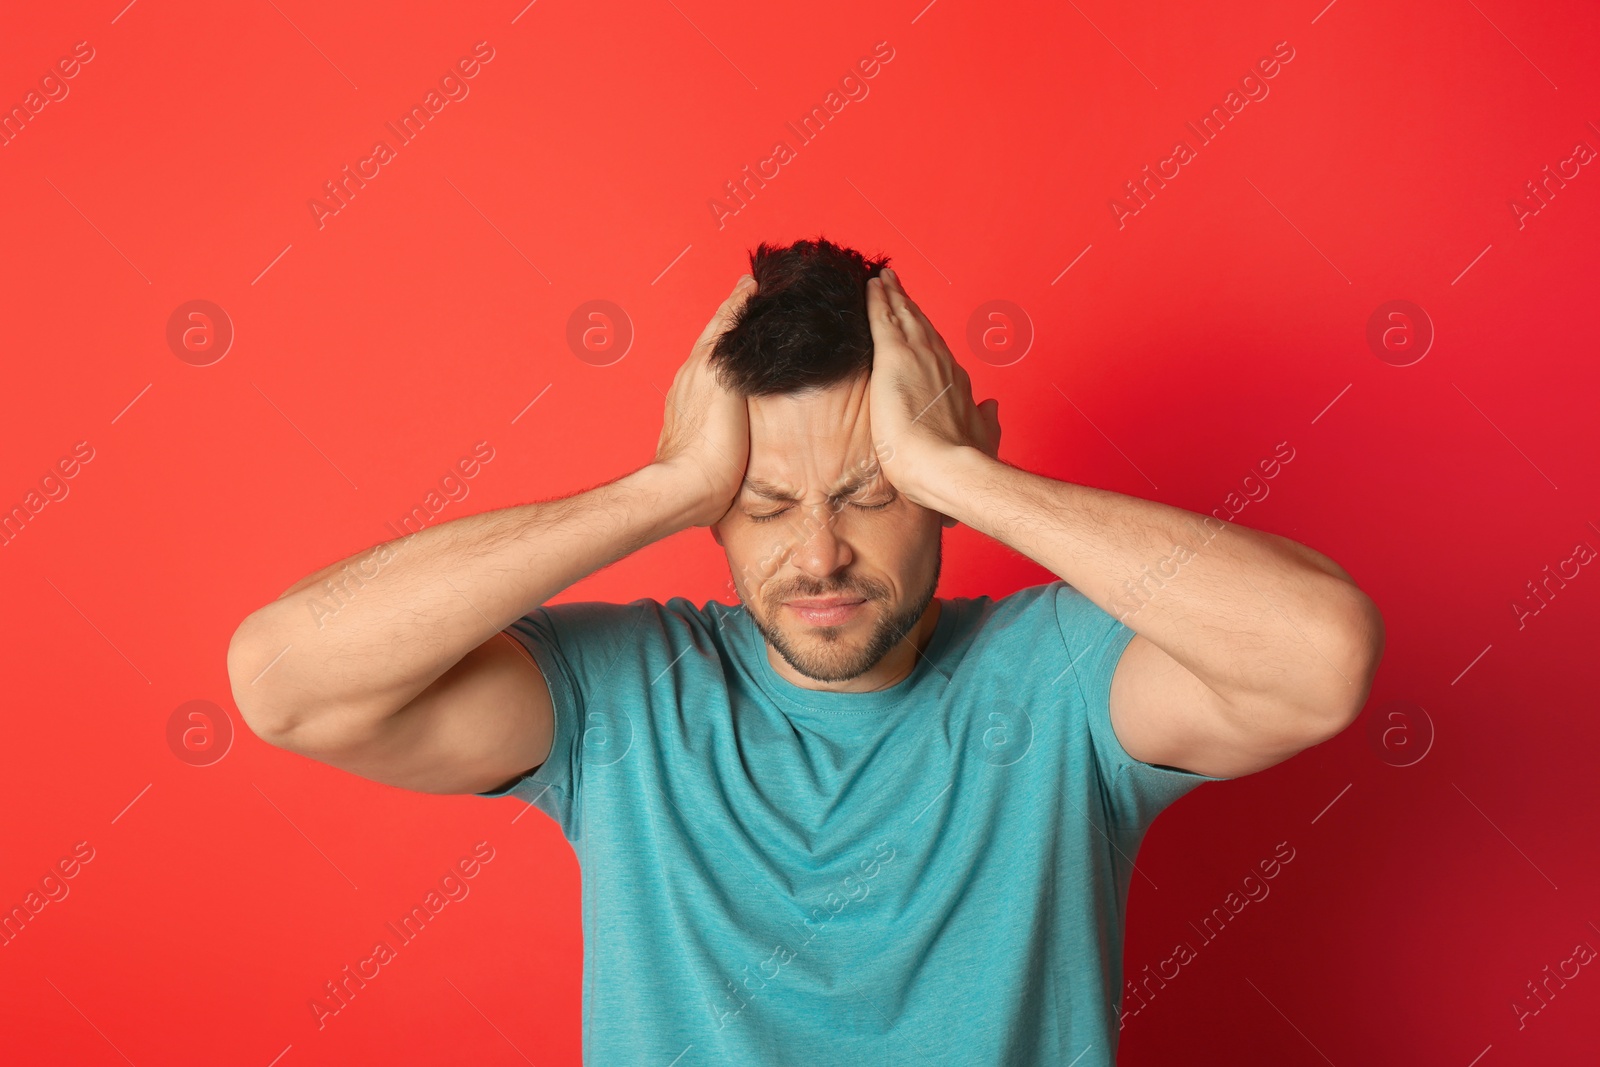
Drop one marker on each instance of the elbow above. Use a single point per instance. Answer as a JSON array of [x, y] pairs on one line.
[[1361, 642], [267, 701], [247, 667], [1273, 725], [253, 652]]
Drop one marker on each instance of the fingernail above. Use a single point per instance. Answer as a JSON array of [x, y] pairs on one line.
[[889, 273], [744, 279]]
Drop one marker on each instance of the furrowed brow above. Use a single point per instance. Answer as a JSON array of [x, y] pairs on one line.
[[780, 493], [766, 489]]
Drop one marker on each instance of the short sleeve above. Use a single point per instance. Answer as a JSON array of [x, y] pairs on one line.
[[575, 647], [1135, 792]]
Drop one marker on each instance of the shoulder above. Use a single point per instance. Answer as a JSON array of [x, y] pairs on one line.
[[597, 633], [1020, 633], [1051, 605], [643, 613], [986, 618]]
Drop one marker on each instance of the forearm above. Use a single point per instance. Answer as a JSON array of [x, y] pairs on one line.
[[1254, 616], [370, 633]]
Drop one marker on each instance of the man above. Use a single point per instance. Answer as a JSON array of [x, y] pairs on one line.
[[845, 822]]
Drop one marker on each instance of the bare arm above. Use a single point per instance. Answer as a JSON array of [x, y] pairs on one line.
[[364, 672], [1250, 648], [392, 664], [1254, 649]]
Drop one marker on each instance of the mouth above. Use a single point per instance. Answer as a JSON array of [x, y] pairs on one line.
[[826, 611]]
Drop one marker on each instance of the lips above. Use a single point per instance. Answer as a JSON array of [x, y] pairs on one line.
[[826, 611]]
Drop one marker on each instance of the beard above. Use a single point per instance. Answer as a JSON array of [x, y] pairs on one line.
[[825, 653]]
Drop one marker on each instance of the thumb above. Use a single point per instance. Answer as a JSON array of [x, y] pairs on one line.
[[990, 410]]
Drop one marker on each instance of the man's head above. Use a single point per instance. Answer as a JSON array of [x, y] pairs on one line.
[[815, 518]]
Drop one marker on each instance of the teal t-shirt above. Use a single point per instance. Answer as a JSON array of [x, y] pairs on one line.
[[933, 873]]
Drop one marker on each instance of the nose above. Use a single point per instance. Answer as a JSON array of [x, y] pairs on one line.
[[820, 551]]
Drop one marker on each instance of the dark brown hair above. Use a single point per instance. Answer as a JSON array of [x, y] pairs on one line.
[[805, 326]]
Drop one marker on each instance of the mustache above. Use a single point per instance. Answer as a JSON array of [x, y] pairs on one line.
[[864, 590]]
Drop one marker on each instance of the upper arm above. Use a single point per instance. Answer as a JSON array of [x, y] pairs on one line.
[[1165, 715], [485, 721]]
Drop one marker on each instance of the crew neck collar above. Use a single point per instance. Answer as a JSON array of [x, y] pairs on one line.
[[826, 702]]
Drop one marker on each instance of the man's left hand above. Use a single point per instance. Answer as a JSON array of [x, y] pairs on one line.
[[919, 398]]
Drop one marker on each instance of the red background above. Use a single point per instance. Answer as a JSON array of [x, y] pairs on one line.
[[371, 353]]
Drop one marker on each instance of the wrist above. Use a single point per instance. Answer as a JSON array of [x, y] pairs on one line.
[[950, 475], [675, 494]]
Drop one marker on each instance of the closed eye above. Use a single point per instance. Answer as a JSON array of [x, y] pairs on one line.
[[864, 507]]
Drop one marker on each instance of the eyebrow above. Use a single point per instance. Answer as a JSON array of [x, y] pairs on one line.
[[777, 492]]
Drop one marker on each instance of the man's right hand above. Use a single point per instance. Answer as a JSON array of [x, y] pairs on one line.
[[406, 675], [705, 430]]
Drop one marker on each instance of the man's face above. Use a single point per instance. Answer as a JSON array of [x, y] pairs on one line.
[[816, 521]]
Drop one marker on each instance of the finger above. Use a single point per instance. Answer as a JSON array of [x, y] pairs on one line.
[[727, 309], [936, 338], [990, 409], [919, 327], [901, 299], [912, 322], [741, 292], [886, 329]]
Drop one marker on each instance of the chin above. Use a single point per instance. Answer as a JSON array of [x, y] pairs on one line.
[[832, 653], [834, 664]]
